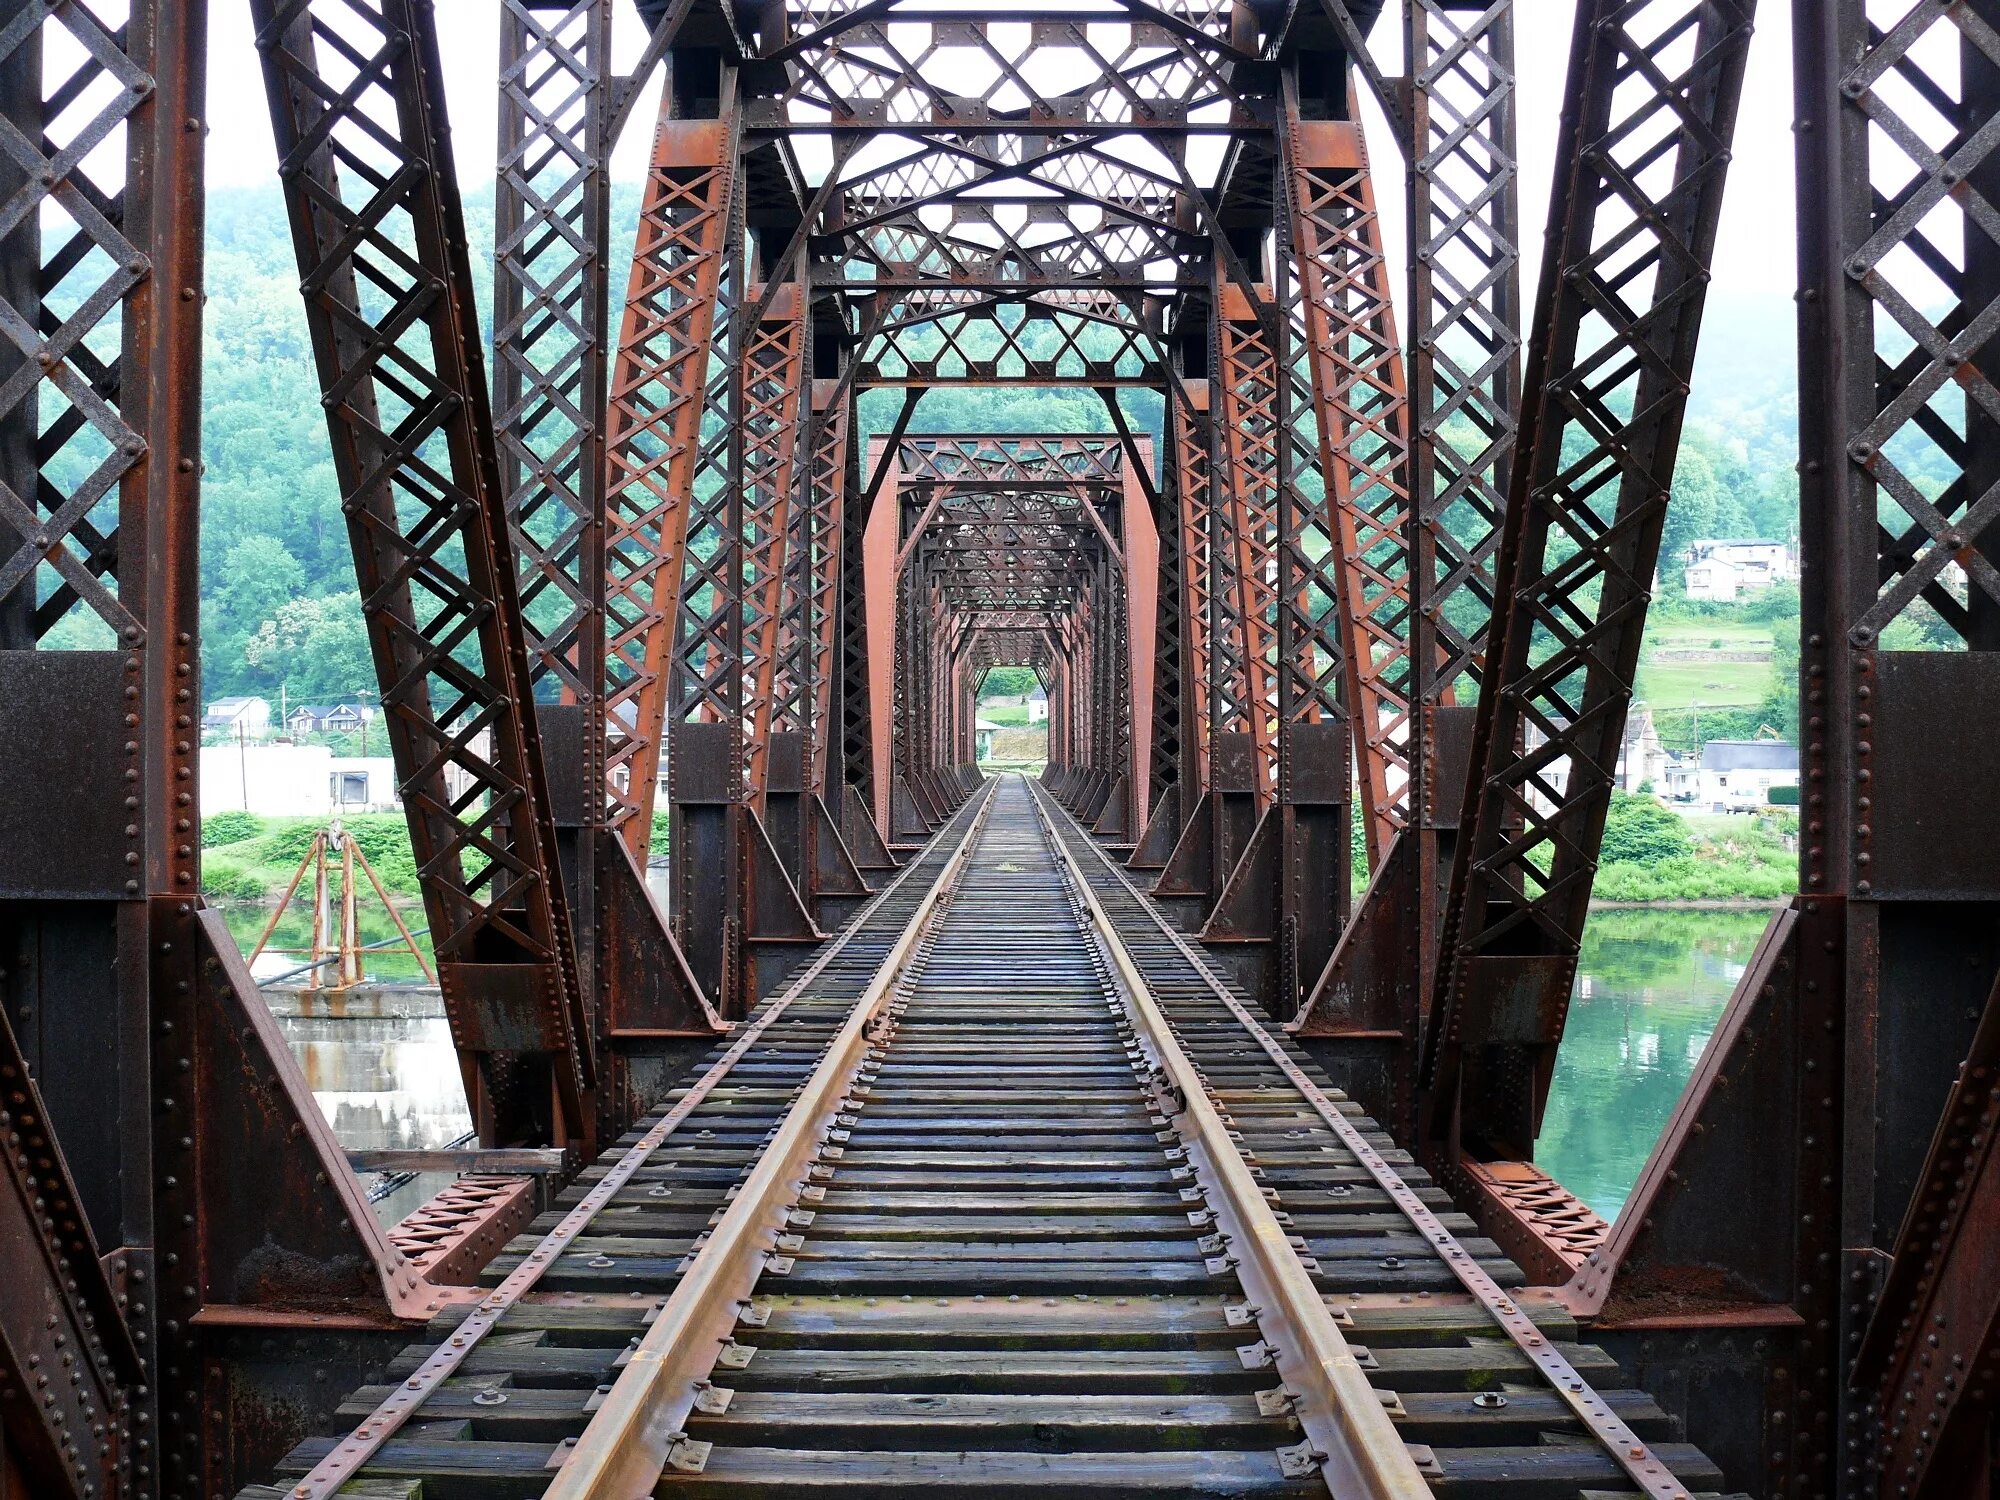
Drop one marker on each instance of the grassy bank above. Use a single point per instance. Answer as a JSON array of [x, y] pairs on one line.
[[245, 857], [248, 858], [1729, 857], [1651, 856]]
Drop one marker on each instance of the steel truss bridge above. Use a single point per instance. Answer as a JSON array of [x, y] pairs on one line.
[[944, 1133]]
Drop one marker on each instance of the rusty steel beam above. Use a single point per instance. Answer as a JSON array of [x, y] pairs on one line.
[[1363, 1019], [373, 199], [1653, 89], [661, 371], [775, 402], [550, 351], [71, 1438], [1924, 1371], [1362, 422]]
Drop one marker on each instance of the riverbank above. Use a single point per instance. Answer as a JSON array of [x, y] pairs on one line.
[[1652, 857]]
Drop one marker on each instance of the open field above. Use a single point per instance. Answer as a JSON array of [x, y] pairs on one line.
[[1709, 662]]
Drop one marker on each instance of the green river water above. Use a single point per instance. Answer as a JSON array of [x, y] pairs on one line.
[[1650, 987]]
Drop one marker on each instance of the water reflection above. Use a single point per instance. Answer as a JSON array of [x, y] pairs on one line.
[[1650, 987]]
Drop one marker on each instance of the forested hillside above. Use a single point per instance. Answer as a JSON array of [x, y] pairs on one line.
[[278, 593]]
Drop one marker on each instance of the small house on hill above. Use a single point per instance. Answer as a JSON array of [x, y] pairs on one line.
[[324, 718], [1721, 570], [245, 717]]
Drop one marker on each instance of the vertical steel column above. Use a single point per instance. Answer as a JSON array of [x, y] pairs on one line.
[[665, 349], [775, 362], [152, 1105], [1363, 1019], [551, 213], [731, 571], [1842, 1114], [1359, 562], [557, 456], [1643, 150], [1249, 438], [373, 196]]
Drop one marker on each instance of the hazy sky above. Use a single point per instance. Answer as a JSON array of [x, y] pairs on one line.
[[1754, 255]]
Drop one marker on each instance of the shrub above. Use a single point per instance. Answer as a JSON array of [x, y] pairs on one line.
[[1641, 832], [227, 879], [229, 828]]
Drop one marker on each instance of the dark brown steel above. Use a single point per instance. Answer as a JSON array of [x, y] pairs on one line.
[[373, 200], [1651, 106]]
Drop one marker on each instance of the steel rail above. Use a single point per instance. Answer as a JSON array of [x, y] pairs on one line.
[[634, 1435], [348, 1456], [1351, 1441], [1633, 1454]]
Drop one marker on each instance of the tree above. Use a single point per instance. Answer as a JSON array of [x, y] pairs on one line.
[[259, 576], [317, 647], [1641, 832], [1009, 682]]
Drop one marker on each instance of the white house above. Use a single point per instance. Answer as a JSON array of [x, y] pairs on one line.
[[327, 718], [1038, 705], [239, 718], [1738, 775], [1681, 780], [1721, 570]]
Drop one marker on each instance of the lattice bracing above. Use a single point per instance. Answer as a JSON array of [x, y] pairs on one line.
[[63, 309], [1633, 226], [1248, 498], [1465, 335], [357, 103], [663, 365], [1926, 268], [551, 210], [773, 406], [1360, 547]]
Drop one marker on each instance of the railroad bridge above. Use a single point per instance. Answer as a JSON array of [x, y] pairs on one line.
[[1090, 1133]]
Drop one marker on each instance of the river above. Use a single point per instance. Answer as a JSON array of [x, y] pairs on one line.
[[1650, 987]]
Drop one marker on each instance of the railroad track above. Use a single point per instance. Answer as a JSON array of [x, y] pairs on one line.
[[1009, 1194]]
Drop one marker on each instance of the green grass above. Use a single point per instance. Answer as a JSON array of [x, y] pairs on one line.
[[1697, 635], [1012, 715], [1675, 684], [1705, 679], [1735, 858], [256, 866]]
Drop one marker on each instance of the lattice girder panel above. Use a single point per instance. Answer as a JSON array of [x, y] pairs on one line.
[[774, 406], [63, 309], [357, 106], [1465, 335], [707, 684], [1250, 436], [1357, 390], [551, 218], [1925, 268], [937, 338], [663, 365], [813, 623], [1632, 226], [1010, 460], [1062, 75], [1193, 453]]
